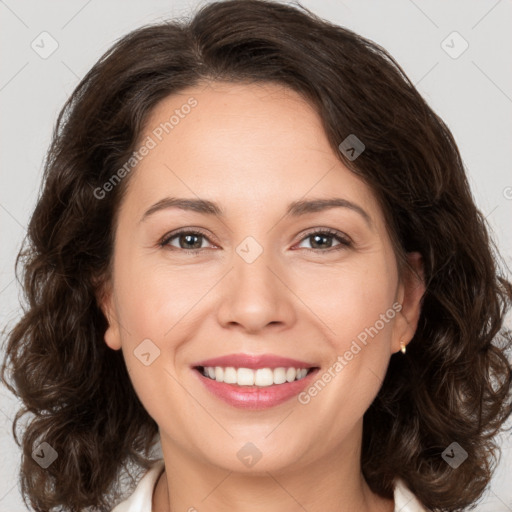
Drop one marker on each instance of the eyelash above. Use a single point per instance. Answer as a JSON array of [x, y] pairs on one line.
[[345, 242]]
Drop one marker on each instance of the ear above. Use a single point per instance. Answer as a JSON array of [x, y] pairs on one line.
[[410, 293], [105, 300]]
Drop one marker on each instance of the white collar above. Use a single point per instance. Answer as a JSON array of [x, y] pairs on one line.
[[142, 497]]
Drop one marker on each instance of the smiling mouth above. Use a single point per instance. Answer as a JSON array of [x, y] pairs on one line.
[[261, 377]]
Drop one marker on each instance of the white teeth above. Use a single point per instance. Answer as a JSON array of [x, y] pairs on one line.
[[245, 377], [291, 374], [280, 375], [302, 373], [261, 377], [264, 377], [230, 375]]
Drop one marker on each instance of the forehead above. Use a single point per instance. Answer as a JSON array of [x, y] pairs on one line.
[[238, 117], [246, 141]]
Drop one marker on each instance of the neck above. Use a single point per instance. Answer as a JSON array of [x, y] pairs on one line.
[[333, 483]]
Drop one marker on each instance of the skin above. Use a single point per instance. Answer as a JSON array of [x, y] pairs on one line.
[[254, 149]]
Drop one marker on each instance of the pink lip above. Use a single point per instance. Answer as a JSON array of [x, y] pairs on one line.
[[254, 397], [254, 361]]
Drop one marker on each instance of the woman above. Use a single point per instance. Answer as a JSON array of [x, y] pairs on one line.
[[256, 248]]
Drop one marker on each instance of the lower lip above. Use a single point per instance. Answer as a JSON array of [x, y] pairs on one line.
[[253, 397]]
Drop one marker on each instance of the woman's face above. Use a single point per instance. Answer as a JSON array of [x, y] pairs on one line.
[[262, 278]]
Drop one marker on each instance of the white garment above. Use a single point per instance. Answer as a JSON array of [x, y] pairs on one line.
[[142, 497]]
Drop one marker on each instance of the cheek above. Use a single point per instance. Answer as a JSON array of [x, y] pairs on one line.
[[160, 308], [154, 299], [356, 309], [157, 310], [351, 299]]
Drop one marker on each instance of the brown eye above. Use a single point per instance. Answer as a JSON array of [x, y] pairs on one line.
[[324, 240], [188, 241]]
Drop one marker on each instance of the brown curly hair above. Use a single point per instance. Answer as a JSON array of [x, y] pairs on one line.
[[454, 383]]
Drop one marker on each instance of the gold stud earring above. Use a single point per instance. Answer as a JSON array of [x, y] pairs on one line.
[[402, 347]]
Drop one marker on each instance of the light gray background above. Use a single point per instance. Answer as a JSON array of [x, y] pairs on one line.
[[472, 93]]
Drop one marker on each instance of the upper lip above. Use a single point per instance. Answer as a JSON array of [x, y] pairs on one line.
[[254, 361]]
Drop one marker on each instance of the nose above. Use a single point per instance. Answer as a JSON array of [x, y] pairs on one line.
[[256, 295]]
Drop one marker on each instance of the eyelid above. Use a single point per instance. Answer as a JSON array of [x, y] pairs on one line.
[[334, 232], [191, 230], [345, 240]]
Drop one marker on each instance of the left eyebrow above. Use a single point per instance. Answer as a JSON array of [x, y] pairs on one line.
[[296, 208], [303, 207]]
